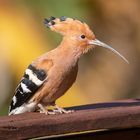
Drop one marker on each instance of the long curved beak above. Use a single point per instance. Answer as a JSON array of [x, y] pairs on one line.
[[101, 44]]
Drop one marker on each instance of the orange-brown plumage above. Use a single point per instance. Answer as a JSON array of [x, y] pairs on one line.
[[59, 65]]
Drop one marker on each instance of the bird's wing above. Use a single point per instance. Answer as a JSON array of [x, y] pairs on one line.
[[32, 80]]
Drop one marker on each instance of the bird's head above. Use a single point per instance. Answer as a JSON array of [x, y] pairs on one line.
[[77, 34]]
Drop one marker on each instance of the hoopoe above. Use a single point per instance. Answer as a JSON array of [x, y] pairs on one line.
[[49, 76]]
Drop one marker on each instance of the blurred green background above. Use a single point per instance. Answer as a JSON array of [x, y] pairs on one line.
[[102, 75]]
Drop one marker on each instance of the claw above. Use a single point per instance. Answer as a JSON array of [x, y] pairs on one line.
[[62, 110]]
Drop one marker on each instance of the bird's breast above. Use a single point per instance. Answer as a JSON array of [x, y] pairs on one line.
[[61, 77]]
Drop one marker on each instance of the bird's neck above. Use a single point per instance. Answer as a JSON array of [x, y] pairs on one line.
[[69, 49]]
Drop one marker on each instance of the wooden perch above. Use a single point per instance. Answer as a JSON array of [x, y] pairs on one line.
[[103, 117]]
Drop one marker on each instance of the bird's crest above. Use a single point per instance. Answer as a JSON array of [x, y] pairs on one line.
[[66, 25]]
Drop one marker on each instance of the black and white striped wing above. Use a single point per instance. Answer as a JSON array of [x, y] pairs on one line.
[[29, 84]]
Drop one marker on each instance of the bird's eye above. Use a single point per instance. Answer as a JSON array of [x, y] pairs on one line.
[[82, 36]]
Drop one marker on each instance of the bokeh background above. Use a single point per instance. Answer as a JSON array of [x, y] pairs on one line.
[[102, 75]]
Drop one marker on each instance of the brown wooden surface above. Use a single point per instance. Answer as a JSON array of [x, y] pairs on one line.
[[115, 115], [125, 134]]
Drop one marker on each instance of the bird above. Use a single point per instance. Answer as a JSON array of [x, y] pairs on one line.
[[50, 75]]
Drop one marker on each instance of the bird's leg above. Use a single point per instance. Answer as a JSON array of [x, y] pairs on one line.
[[43, 109], [61, 110]]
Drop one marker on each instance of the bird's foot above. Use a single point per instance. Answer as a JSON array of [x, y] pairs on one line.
[[61, 110], [55, 110], [42, 109]]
